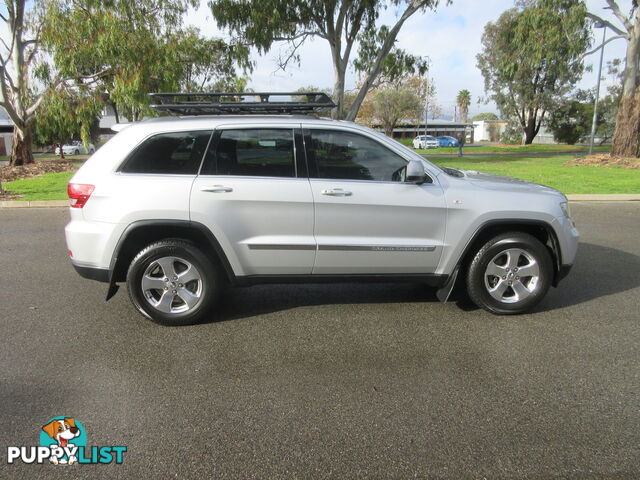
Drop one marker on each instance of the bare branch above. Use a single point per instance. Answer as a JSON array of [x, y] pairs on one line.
[[283, 63], [613, 6], [5, 44], [613, 27], [377, 65], [617, 37], [95, 76], [304, 34]]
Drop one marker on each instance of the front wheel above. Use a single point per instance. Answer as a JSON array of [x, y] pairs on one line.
[[172, 282], [510, 274]]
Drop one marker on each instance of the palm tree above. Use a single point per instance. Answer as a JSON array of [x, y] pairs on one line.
[[464, 100]]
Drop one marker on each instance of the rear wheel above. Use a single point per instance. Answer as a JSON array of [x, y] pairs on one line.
[[172, 282], [510, 274]]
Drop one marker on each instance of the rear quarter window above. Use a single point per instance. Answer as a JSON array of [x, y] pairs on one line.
[[175, 153]]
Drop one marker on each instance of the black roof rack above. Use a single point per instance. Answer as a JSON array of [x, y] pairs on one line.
[[243, 103]]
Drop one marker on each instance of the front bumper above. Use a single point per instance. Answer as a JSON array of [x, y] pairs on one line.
[[568, 240], [562, 273]]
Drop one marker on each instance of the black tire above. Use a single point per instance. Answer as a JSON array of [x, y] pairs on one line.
[[479, 280], [76, 152], [206, 288]]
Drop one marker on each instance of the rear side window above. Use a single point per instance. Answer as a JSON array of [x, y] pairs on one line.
[[253, 153], [177, 153]]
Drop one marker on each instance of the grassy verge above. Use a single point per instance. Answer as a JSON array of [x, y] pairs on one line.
[[523, 149], [68, 158], [551, 171], [51, 186]]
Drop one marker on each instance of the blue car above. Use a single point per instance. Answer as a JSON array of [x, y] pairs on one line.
[[447, 141]]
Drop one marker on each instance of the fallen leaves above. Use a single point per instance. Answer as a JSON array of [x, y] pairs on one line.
[[605, 160], [9, 173]]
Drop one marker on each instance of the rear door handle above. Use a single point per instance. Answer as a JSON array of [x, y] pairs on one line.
[[336, 192], [216, 189]]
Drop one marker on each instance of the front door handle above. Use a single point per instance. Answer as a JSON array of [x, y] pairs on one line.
[[336, 192], [216, 189]]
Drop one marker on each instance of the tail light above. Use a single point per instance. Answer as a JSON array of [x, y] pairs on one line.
[[79, 193]]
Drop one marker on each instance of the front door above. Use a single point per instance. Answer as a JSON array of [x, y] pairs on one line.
[[367, 219]]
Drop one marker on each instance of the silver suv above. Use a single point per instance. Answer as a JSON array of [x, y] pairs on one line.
[[180, 207]]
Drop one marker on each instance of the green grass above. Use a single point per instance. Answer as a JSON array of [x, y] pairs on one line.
[[551, 171], [524, 149], [77, 158], [51, 186]]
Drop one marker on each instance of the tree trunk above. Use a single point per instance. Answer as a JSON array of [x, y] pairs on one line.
[[530, 131], [464, 114], [528, 137], [625, 138], [21, 153], [338, 94], [115, 112], [61, 152]]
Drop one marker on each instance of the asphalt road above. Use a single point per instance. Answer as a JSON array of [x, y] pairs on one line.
[[341, 381]]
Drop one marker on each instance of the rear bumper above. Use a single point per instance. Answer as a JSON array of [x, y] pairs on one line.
[[92, 273]]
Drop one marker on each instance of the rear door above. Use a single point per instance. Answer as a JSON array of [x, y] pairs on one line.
[[367, 219], [253, 193]]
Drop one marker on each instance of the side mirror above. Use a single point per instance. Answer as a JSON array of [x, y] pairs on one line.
[[415, 173]]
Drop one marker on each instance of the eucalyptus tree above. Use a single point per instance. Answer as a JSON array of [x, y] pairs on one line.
[[65, 114], [627, 27], [532, 56], [19, 47], [128, 48], [344, 24]]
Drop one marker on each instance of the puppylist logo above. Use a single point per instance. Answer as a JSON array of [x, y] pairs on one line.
[[63, 441]]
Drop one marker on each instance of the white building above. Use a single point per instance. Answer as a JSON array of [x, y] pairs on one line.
[[489, 130], [6, 133]]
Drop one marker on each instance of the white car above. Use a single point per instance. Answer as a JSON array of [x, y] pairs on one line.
[[425, 141], [180, 207], [76, 148]]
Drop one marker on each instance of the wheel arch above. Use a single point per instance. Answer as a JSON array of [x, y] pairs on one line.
[[539, 229], [144, 232]]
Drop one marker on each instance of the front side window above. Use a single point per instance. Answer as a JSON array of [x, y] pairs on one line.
[[350, 156], [267, 152], [176, 153]]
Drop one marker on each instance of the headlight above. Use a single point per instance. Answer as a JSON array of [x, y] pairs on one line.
[[565, 209]]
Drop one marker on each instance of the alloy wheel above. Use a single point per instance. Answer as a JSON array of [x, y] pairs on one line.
[[512, 275], [172, 285]]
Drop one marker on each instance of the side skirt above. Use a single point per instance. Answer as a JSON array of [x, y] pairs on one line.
[[432, 280]]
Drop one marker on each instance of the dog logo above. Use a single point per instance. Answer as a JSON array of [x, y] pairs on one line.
[[63, 441], [62, 431]]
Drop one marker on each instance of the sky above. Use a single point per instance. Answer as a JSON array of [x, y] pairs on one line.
[[449, 37]]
